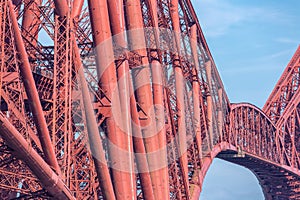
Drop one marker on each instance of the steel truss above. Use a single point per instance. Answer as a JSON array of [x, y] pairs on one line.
[[90, 91]]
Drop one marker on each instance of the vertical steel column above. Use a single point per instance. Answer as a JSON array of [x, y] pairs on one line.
[[61, 7], [3, 13], [76, 8], [158, 99], [194, 187], [220, 113], [31, 22], [142, 81], [118, 27], [139, 148], [196, 89], [33, 95], [209, 102], [62, 88], [95, 141], [180, 89], [106, 69], [117, 22]]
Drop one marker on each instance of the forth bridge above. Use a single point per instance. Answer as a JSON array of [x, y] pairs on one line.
[[122, 100]]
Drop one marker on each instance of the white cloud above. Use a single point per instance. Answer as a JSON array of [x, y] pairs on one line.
[[264, 64], [218, 16], [283, 53], [287, 41]]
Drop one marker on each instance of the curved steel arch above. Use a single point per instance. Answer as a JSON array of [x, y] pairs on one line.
[[266, 154], [254, 142]]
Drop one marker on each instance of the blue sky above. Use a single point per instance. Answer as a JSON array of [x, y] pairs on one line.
[[251, 42]]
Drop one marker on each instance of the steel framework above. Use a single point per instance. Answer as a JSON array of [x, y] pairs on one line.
[[121, 99]]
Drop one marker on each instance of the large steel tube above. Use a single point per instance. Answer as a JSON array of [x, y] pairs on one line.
[[125, 81], [196, 90], [61, 7], [118, 28], [195, 188], [142, 84], [180, 89], [95, 141], [139, 148], [48, 178], [220, 113], [158, 101], [209, 103], [158, 98], [76, 8], [106, 70], [31, 23], [33, 95]]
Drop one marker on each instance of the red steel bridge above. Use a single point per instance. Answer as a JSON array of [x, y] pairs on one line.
[[121, 99]]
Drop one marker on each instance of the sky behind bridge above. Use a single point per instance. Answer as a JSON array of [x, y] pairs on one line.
[[251, 42]]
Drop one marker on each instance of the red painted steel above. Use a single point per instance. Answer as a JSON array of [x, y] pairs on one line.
[[122, 165], [32, 94], [49, 179], [142, 86], [112, 99]]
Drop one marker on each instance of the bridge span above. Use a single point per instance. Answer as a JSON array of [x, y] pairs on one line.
[[111, 99]]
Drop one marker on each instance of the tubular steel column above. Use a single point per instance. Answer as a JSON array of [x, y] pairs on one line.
[[220, 113], [32, 94], [106, 69], [195, 187], [76, 8], [180, 89], [49, 179], [61, 7], [142, 83], [158, 97], [118, 26], [95, 141], [31, 23], [117, 22], [209, 103], [196, 89]]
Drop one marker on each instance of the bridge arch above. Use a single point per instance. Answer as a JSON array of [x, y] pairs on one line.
[[254, 142]]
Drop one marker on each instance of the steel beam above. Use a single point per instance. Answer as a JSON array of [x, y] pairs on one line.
[[95, 141], [196, 90], [158, 96], [142, 84], [180, 88], [33, 95], [118, 31], [118, 26], [49, 179], [76, 8], [208, 67], [119, 154], [31, 22], [61, 7]]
